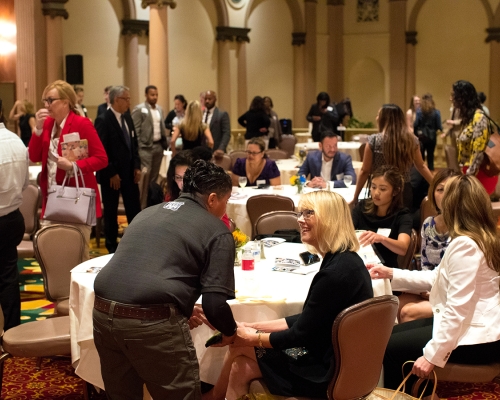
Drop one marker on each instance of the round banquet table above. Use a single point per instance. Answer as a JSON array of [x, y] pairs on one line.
[[260, 295], [351, 148]]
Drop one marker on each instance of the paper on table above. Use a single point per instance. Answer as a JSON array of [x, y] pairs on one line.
[[259, 299], [237, 196], [272, 241]]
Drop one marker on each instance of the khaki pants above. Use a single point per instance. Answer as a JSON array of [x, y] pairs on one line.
[[159, 354]]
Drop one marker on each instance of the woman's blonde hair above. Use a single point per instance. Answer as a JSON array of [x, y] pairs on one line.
[[65, 92], [467, 212], [28, 107], [191, 124], [398, 144], [334, 228]]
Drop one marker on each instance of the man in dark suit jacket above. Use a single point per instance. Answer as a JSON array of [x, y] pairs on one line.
[[328, 164], [102, 108], [122, 175], [218, 123]]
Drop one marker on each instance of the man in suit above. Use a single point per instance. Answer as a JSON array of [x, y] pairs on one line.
[[218, 123], [328, 164], [102, 108], [122, 175], [148, 122]]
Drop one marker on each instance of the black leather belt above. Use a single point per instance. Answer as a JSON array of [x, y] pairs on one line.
[[150, 313]]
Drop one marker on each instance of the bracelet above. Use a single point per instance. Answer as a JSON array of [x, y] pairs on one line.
[[260, 348]]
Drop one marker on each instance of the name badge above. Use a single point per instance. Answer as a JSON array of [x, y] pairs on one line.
[[144, 110]]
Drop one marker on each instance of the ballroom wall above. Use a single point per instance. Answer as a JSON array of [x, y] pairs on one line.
[[450, 45]]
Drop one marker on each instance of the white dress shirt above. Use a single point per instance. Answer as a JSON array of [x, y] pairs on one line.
[[14, 174]]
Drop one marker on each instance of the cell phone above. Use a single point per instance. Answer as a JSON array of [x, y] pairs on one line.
[[309, 258], [217, 338]]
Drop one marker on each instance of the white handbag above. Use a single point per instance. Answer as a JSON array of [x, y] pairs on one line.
[[71, 204]]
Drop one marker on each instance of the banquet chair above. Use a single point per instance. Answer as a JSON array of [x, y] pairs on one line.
[[43, 338], [235, 154], [287, 144], [362, 151], [58, 249], [405, 262], [29, 210], [450, 153], [357, 356], [274, 154], [495, 205], [264, 203], [270, 222], [223, 162]]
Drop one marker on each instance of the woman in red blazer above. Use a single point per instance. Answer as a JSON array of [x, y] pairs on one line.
[[53, 122]]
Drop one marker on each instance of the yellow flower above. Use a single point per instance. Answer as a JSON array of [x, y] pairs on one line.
[[240, 239], [294, 179]]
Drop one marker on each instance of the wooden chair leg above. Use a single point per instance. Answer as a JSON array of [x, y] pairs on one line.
[[39, 363]]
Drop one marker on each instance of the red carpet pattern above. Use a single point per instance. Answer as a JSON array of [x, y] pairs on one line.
[[55, 380]]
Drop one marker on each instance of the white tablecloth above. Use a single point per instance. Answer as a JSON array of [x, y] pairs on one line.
[[274, 295], [351, 148], [237, 208]]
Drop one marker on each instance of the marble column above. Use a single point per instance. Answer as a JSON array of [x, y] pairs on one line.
[[224, 38], [132, 29], [310, 49], [397, 51], [158, 47], [26, 56], [299, 101], [54, 12], [335, 61], [494, 89]]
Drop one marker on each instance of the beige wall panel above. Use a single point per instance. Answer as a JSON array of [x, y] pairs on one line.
[[321, 67], [367, 88], [141, 13], [143, 57], [367, 80], [270, 56], [93, 30], [460, 52], [192, 48]]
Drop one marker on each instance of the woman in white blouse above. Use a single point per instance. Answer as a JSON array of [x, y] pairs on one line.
[[464, 291]]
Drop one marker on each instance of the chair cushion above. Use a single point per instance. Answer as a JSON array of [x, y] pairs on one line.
[[62, 307], [44, 338], [25, 249], [468, 373]]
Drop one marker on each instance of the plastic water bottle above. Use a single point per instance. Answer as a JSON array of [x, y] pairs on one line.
[[256, 250], [247, 260]]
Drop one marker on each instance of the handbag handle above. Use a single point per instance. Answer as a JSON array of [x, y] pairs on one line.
[[402, 385], [76, 169]]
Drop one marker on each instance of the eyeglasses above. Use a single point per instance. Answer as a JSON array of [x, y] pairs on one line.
[[253, 153], [50, 100], [305, 213], [178, 178], [124, 98]]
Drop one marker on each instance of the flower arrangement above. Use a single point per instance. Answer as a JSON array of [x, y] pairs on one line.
[[298, 181], [240, 239]]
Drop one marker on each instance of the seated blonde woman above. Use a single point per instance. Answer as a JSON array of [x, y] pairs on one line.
[[256, 167], [263, 349]]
